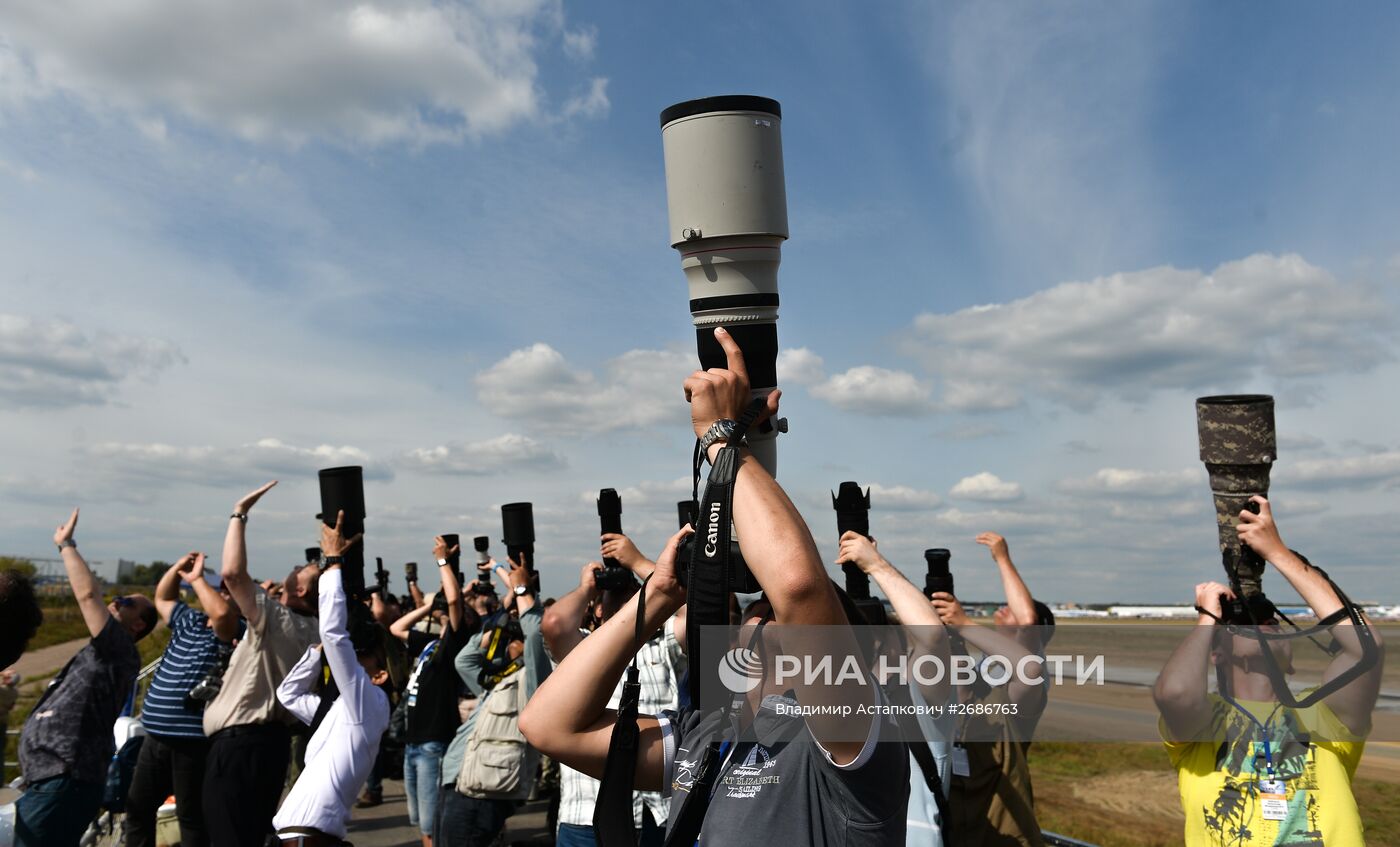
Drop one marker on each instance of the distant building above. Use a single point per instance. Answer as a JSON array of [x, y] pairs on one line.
[[126, 571]]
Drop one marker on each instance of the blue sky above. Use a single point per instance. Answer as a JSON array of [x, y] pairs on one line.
[[245, 242]]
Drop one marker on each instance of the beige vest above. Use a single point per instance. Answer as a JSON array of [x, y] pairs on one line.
[[498, 763]]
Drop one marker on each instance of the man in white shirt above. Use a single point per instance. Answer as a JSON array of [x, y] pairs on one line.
[[340, 754]]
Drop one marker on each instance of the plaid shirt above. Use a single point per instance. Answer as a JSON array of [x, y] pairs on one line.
[[660, 664]]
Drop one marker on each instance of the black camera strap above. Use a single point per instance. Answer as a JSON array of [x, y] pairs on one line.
[[711, 570], [612, 813]]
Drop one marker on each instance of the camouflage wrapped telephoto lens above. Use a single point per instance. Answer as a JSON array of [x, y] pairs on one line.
[[1238, 446]]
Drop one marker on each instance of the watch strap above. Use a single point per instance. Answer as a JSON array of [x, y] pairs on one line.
[[333, 560]]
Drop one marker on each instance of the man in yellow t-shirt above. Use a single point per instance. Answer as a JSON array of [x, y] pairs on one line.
[[1253, 773], [1221, 779]]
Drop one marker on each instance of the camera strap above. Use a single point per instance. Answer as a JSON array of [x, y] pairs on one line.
[[711, 571], [612, 813]]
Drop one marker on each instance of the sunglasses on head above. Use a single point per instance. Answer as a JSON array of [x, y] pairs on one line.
[[124, 602]]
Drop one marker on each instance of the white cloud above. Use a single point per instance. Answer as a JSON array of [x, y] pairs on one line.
[[593, 104], [370, 72], [1128, 334], [646, 494], [637, 389], [580, 44], [902, 498], [504, 453], [799, 366], [994, 520], [987, 487], [870, 390], [245, 464], [1367, 470], [50, 364], [1054, 152], [1137, 483], [1300, 443]]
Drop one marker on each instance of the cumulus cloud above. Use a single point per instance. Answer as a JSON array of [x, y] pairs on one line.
[[799, 366], [987, 487], [509, 452], [592, 104], [53, 364], [1128, 334], [1137, 483], [538, 386], [371, 72], [870, 390], [219, 466]]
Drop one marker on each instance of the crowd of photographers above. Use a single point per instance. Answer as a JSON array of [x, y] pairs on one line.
[[483, 699]]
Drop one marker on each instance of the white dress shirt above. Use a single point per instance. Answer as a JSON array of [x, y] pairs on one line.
[[342, 750]]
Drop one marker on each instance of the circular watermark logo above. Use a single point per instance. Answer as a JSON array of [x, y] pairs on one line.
[[741, 670]]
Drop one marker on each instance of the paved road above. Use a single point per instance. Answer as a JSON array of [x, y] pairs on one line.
[[48, 659], [386, 825]]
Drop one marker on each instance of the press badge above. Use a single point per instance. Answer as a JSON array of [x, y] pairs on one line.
[[1273, 800], [961, 767]]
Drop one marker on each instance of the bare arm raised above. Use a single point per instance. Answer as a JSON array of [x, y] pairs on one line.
[[235, 562], [86, 589]]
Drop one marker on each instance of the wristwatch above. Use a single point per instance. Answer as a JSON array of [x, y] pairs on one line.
[[242, 516], [333, 560], [442, 563], [67, 542], [721, 430], [521, 590]]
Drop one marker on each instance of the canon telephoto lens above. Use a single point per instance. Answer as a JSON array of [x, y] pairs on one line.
[[1238, 446], [727, 204]]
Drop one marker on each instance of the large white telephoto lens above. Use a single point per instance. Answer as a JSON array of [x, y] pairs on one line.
[[728, 212]]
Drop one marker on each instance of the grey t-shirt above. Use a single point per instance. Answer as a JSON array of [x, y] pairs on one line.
[[778, 784], [70, 732]]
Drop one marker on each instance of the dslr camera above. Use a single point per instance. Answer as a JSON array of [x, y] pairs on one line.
[[613, 576]]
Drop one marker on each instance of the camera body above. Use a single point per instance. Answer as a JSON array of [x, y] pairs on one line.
[[213, 681], [410, 571], [613, 576]]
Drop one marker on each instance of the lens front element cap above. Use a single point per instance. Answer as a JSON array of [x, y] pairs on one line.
[[723, 103]]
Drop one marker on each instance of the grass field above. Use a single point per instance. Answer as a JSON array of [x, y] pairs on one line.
[[1125, 795]]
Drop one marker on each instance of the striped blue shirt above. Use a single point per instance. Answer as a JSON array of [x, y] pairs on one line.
[[192, 651]]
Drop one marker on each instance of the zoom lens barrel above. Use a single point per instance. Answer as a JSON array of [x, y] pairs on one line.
[[727, 204]]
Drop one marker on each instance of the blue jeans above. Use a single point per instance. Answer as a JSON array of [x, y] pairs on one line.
[[573, 835], [467, 821], [54, 812], [422, 773]]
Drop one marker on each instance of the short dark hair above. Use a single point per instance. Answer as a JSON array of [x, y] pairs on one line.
[[20, 615], [150, 618]]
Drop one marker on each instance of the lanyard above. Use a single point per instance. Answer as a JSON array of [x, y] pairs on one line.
[[1262, 727]]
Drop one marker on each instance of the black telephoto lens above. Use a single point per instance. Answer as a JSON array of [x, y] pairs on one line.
[[939, 577], [609, 519], [518, 531], [853, 515], [343, 490], [313, 554]]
